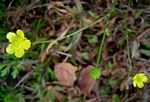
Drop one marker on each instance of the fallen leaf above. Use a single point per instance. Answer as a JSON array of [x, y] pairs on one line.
[[87, 20], [112, 22], [119, 73], [43, 56], [85, 82], [62, 35], [125, 84], [65, 73]]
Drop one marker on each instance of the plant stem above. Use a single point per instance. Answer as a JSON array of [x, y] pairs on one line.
[[74, 33], [129, 56], [100, 50]]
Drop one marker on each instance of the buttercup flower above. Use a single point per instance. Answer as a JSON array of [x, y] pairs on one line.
[[18, 43], [139, 79]]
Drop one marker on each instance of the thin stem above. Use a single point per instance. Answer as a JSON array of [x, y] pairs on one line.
[[100, 50], [39, 42], [129, 56], [74, 33]]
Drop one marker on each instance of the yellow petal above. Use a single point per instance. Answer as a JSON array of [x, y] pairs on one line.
[[134, 83], [135, 77], [20, 34], [10, 49], [141, 74], [26, 44], [145, 79], [19, 52], [11, 36], [140, 85]]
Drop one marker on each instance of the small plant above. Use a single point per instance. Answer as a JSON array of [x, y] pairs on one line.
[[9, 94], [95, 72], [19, 43], [12, 67]]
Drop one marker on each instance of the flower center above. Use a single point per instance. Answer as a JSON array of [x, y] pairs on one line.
[[139, 79], [17, 43]]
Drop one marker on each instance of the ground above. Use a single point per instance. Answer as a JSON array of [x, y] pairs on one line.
[[81, 51]]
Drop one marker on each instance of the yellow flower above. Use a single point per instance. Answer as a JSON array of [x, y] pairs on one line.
[[18, 43], [139, 79]]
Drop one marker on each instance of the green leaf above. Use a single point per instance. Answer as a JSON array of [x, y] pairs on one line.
[[92, 39], [105, 91], [93, 15], [40, 23], [52, 74], [5, 71], [10, 94], [59, 88], [145, 52], [106, 31], [2, 66], [115, 98], [137, 13], [147, 45], [85, 55], [15, 73]]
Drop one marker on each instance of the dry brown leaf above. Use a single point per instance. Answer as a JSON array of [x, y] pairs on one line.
[[62, 35], [43, 56], [119, 73], [65, 73], [125, 84], [87, 20], [85, 83], [112, 22]]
